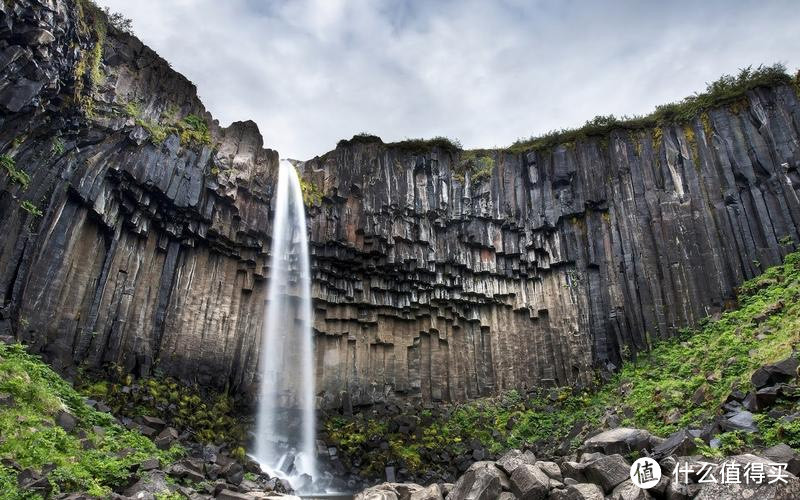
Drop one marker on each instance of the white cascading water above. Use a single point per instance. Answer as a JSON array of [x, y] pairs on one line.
[[287, 370]]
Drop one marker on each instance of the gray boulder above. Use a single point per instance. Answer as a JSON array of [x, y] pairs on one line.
[[528, 482], [608, 471], [621, 440], [432, 492], [513, 459], [581, 491], [551, 469], [482, 481], [391, 491], [783, 453], [150, 483], [626, 490]]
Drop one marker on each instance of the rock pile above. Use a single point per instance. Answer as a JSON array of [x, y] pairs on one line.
[[602, 472]]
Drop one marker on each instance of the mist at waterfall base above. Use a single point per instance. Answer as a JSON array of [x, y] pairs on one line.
[[286, 397]]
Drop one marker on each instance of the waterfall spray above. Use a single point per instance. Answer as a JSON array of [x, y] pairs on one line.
[[287, 370]]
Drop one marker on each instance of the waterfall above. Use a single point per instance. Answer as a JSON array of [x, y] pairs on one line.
[[286, 396]]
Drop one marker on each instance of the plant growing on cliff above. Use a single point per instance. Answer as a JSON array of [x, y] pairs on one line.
[[478, 164], [31, 208], [312, 194], [17, 175]]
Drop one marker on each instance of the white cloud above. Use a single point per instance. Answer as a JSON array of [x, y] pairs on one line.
[[311, 72]]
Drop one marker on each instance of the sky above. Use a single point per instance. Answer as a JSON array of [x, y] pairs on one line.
[[311, 72]]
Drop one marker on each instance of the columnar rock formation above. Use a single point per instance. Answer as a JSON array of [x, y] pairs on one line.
[[150, 250], [562, 260]]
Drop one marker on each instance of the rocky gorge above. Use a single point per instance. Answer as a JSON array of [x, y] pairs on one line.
[[136, 233]]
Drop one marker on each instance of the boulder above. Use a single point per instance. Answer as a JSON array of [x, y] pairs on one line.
[[165, 438], [152, 482], [573, 470], [391, 491], [528, 482], [513, 459], [741, 420], [621, 440], [783, 453], [680, 442], [626, 490], [149, 464], [608, 471], [551, 469], [432, 492], [66, 421], [481, 481], [782, 371], [581, 491]]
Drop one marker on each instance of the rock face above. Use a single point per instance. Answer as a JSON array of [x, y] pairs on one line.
[[150, 250], [445, 290], [143, 255]]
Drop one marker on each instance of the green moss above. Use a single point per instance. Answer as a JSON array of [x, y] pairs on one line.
[[478, 163], [210, 415], [31, 208], [30, 437], [726, 91], [17, 175], [312, 194]]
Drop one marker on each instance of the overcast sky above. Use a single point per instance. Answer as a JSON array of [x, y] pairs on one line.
[[311, 72]]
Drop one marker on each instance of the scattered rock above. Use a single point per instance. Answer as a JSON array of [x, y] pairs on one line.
[[783, 453], [165, 438], [608, 471], [151, 482], [626, 490], [513, 459], [66, 421], [481, 481]]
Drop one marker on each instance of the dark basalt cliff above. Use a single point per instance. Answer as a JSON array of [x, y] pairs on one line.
[[151, 254]]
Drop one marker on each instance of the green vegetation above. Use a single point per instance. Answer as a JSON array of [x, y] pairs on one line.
[[452, 146], [31, 208], [479, 165], [728, 90], [655, 391], [34, 395], [312, 194], [17, 175], [210, 416], [191, 129]]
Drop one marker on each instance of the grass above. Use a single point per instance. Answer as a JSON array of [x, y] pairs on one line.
[[728, 90], [29, 436], [312, 194], [478, 163], [191, 129], [717, 356]]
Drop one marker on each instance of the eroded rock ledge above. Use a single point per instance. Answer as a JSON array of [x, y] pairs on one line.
[[150, 252]]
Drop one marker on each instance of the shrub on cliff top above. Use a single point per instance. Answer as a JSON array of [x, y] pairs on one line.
[[726, 90]]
